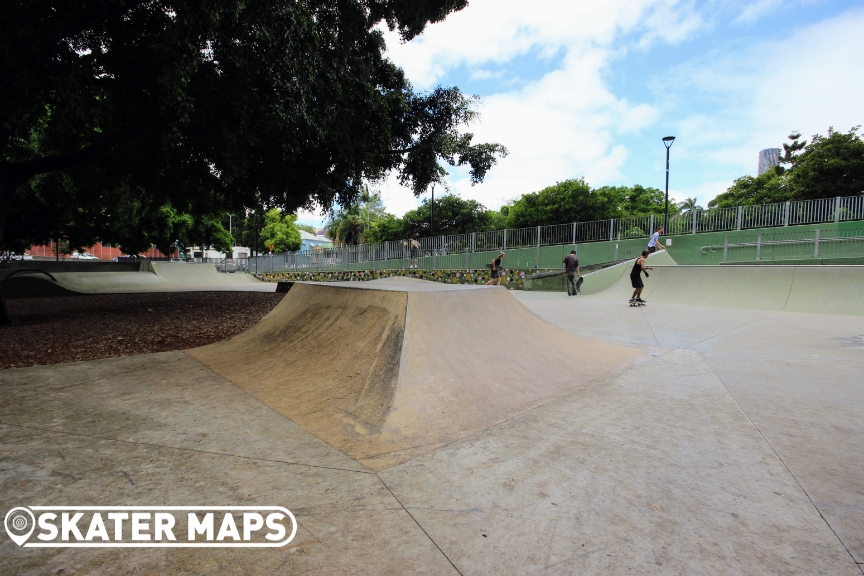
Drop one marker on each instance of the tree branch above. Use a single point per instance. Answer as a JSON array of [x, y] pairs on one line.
[[17, 172]]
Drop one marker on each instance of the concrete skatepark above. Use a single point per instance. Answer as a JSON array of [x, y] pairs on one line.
[[415, 427]]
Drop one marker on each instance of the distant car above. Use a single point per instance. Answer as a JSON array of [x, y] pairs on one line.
[[83, 256]]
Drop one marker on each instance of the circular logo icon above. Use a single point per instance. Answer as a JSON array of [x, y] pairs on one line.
[[19, 523]]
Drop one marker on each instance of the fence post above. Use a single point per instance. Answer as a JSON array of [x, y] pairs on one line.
[[816, 249], [786, 215], [740, 216], [574, 234], [505, 238], [611, 229], [837, 209], [725, 248], [537, 257], [473, 242], [694, 221], [758, 247], [651, 226]]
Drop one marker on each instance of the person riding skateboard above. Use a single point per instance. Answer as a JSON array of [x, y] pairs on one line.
[[571, 269], [636, 277], [654, 243], [496, 270]]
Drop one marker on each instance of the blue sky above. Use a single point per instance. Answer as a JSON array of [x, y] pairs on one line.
[[579, 89]]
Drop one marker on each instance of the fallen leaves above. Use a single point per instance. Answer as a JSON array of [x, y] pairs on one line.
[[71, 329]]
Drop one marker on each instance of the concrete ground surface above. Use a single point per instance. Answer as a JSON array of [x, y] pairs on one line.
[[731, 443]]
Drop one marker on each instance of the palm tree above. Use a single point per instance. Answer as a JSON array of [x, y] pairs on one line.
[[346, 226], [688, 205]]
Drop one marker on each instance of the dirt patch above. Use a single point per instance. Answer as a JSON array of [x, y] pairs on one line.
[[56, 330]]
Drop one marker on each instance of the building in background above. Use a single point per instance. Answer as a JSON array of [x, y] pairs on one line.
[[768, 158], [310, 241]]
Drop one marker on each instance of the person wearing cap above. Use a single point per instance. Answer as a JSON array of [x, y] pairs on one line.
[[496, 270]]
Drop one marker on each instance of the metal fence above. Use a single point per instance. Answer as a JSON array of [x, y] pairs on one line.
[[799, 245], [472, 250]]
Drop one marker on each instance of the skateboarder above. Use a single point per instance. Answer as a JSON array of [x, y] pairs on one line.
[[636, 277], [654, 243], [571, 269], [496, 270]]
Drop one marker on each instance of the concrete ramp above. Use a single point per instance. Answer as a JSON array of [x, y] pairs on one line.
[[816, 289], [162, 277], [392, 370]]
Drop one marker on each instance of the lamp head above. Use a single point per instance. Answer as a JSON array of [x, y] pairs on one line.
[[668, 140]]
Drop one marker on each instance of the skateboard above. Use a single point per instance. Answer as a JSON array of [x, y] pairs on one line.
[[635, 304], [579, 284]]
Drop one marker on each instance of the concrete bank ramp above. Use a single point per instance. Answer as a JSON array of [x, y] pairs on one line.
[[390, 369], [162, 277], [605, 278], [815, 289]]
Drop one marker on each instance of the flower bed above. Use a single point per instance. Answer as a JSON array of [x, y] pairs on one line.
[[512, 279]]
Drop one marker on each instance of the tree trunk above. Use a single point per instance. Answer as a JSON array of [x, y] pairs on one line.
[[5, 319]]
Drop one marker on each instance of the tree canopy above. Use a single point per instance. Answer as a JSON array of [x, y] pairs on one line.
[[212, 107], [576, 201], [831, 165], [280, 232]]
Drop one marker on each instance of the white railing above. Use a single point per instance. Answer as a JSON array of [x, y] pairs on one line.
[[444, 251]]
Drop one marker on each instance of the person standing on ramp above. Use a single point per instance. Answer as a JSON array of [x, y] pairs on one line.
[[654, 243], [414, 248], [636, 278], [496, 270], [571, 269]]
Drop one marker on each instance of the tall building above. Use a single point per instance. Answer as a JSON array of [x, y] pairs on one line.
[[768, 158]]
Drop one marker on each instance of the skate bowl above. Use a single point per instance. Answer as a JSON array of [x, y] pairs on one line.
[[813, 289], [161, 277], [390, 369]]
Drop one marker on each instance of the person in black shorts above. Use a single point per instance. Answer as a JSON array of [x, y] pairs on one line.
[[636, 276], [496, 270]]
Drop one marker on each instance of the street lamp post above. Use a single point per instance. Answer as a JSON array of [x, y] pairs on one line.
[[667, 142], [432, 224]]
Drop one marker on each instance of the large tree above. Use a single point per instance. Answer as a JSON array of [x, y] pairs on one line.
[[831, 165], [220, 105], [277, 102]]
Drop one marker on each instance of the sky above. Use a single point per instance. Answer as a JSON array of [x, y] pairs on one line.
[[588, 89]]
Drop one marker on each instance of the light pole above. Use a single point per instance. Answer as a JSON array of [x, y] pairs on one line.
[[667, 142], [229, 223], [432, 225]]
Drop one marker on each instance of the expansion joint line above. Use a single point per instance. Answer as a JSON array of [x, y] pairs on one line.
[[182, 448], [419, 525], [780, 458]]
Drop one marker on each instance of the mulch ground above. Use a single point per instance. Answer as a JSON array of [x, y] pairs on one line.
[[75, 328]]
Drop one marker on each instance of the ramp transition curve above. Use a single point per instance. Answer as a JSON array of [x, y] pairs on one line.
[[387, 374]]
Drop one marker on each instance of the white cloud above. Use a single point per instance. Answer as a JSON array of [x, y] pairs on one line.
[[724, 105], [753, 98], [563, 125], [495, 31]]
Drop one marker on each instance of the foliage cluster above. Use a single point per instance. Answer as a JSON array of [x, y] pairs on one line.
[[111, 111], [831, 165]]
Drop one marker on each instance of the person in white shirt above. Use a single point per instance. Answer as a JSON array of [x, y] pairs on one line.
[[654, 243]]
